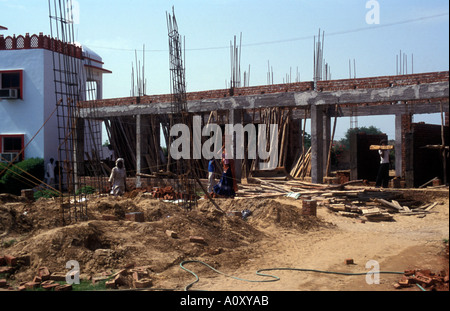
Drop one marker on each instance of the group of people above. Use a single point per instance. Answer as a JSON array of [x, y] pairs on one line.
[[227, 185]]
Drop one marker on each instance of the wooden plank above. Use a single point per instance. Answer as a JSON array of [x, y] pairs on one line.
[[381, 147], [400, 207], [431, 206], [388, 204]]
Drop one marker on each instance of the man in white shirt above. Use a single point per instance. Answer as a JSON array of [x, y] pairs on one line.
[[118, 178], [50, 175], [383, 171]]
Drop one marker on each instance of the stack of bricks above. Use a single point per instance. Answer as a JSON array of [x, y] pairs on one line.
[[309, 208], [168, 193]]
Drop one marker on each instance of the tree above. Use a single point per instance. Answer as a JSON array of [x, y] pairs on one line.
[[371, 130]]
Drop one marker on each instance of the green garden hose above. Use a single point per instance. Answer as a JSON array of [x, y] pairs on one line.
[[273, 278]]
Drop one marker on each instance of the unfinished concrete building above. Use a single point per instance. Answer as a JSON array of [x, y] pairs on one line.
[[135, 123]]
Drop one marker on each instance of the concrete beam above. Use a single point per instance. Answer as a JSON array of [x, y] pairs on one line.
[[289, 99]]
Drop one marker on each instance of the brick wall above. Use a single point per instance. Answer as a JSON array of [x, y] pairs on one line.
[[323, 86], [425, 163], [131, 183]]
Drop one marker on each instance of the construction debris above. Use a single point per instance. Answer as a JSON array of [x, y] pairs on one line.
[[424, 279]]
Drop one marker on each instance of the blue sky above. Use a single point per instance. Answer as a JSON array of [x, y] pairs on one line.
[[280, 32]]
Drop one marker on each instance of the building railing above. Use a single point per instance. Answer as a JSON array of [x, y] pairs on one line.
[[39, 42]]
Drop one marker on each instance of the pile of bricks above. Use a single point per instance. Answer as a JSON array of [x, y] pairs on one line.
[[425, 278], [46, 280], [43, 278], [9, 264], [133, 277], [168, 193]]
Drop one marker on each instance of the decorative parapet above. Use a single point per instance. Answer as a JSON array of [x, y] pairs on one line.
[[40, 42]]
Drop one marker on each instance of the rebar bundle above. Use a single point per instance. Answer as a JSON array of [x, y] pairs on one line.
[[181, 167], [70, 79]]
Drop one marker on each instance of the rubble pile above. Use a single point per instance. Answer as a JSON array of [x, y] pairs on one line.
[[425, 278]]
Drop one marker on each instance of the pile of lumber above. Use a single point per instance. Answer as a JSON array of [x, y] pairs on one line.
[[372, 206], [302, 166]]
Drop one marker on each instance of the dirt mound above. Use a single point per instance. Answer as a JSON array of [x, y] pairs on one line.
[[101, 245], [266, 213], [13, 218]]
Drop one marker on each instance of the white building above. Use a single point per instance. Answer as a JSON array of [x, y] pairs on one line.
[[28, 121]]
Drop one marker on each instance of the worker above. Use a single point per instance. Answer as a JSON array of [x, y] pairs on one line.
[[225, 186], [50, 175], [383, 170], [118, 178], [211, 178]]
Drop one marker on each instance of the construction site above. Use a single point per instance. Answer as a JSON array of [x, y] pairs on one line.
[[308, 223]]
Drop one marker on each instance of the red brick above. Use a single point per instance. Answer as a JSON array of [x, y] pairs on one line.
[[309, 207], [197, 239], [136, 216], [37, 279], [349, 261], [50, 286], [24, 260], [55, 276], [32, 285], [6, 270], [44, 273], [422, 279], [109, 217], [142, 283], [11, 260]]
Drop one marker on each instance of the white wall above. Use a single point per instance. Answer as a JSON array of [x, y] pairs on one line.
[[25, 116]]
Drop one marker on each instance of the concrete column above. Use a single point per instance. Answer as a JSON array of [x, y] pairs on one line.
[[398, 145], [138, 150], [326, 140], [317, 144]]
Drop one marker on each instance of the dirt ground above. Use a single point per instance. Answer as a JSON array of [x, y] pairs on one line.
[[275, 235]]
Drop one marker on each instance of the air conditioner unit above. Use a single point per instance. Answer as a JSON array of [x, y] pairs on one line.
[[9, 94], [8, 156]]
